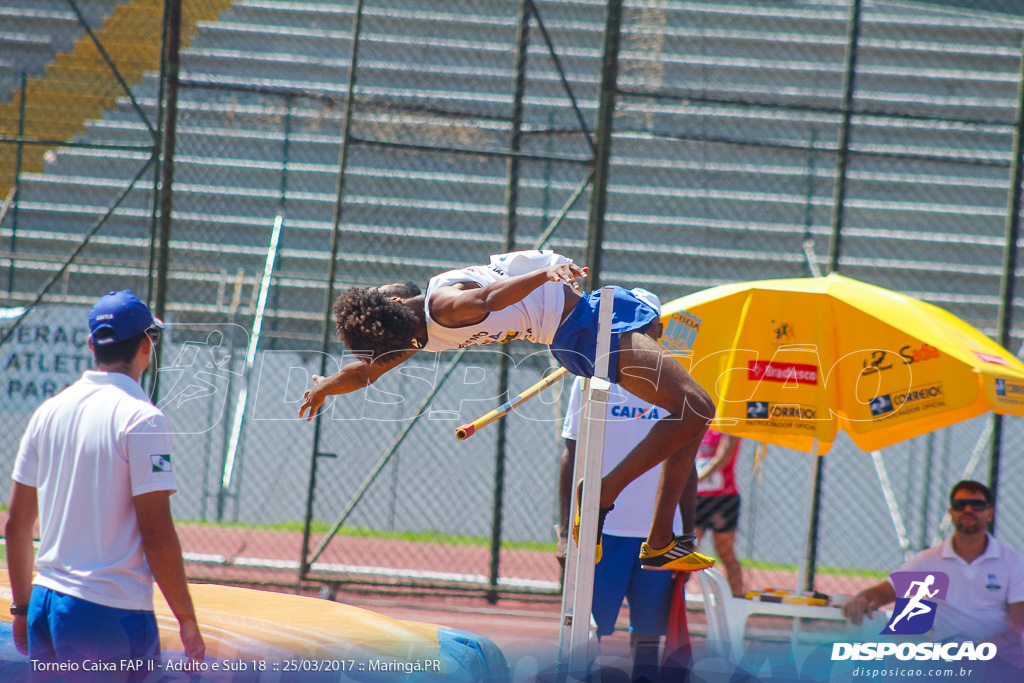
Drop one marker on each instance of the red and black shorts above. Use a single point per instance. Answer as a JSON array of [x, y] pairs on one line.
[[718, 513]]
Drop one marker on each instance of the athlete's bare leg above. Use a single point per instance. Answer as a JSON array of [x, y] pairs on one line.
[[649, 372]]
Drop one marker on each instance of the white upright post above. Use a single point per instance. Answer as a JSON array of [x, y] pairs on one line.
[[574, 647]]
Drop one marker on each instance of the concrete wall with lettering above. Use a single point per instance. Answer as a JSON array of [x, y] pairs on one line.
[[49, 351]]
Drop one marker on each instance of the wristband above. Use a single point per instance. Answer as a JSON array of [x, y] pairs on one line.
[[19, 610]]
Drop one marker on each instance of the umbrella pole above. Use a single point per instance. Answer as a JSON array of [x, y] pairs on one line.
[[805, 575]]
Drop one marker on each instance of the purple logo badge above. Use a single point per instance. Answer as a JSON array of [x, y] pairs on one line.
[[914, 612]]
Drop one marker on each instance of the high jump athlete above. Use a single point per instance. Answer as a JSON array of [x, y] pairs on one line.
[[535, 296]]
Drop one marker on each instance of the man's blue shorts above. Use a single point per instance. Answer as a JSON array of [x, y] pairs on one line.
[[575, 343], [62, 628], [618, 575]]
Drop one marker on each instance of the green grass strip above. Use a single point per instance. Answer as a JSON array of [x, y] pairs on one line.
[[364, 532]]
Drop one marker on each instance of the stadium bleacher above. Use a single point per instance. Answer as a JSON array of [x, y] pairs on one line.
[[723, 167]]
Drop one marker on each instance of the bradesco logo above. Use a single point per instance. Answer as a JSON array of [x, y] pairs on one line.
[[798, 373], [914, 614]]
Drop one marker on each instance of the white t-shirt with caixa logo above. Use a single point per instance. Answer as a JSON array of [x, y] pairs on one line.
[[628, 421], [88, 451]]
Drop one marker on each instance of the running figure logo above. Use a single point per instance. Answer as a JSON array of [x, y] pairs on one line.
[[914, 613]]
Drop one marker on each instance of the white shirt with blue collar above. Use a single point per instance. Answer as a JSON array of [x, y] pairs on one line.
[[977, 603]]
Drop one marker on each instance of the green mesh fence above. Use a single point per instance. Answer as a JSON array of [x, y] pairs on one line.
[[751, 140]]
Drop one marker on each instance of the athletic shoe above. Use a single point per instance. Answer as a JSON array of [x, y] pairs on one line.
[[677, 556], [601, 514]]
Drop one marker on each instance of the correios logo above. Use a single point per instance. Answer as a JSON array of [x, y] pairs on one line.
[[920, 397], [763, 410], [1005, 388], [914, 613]]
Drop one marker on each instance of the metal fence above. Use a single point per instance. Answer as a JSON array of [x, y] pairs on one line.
[[670, 145]]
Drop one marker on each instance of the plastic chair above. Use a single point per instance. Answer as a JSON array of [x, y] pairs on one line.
[[727, 615]]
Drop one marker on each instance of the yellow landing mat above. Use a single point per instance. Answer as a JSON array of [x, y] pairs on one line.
[[243, 624]]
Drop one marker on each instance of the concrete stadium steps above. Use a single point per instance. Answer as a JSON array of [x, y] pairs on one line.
[[60, 28], [254, 145], [903, 23], [70, 91], [721, 65], [460, 202], [758, 70], [414, 15], [920, 251], [301, 178], [231, 236], [8, 79], [675, 271], [93, 10], [103, 249], [682, 214], [330, 16], [263, 127], [367, 199], [298, 295], [649, 210], [33, 53], [667, 183], [297, 299], [938, 141], [295, 293], [32, 32], [777, 45], [792, 177], [764, 125], [82, 279], [389, 74]]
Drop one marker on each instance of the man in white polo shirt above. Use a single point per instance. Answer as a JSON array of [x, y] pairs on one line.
[[95, 466], [985, 599]]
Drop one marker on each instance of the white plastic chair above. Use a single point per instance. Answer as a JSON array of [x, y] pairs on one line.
[[727, 615]]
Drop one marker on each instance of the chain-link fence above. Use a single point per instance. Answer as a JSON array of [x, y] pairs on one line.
[[396, 139]]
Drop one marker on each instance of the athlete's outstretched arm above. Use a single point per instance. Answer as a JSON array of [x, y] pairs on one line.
[[352, 377], [456, 307]]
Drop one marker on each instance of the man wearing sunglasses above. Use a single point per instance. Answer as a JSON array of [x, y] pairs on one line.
[[94, 466], [985, 601]]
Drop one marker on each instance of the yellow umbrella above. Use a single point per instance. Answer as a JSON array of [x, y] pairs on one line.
[[792, 361]]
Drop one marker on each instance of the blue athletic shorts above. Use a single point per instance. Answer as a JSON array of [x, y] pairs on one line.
[[575, 343], [62, 628], [618, 575]]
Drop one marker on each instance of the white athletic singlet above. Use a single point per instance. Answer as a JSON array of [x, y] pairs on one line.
[[535, 318]]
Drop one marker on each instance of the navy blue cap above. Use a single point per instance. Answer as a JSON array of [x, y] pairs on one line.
[[119, 316]]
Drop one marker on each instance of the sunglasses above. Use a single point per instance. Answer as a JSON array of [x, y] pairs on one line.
[[154, 335], [961, 504]]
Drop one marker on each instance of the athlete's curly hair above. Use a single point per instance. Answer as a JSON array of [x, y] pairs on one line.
[[368, 321]]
